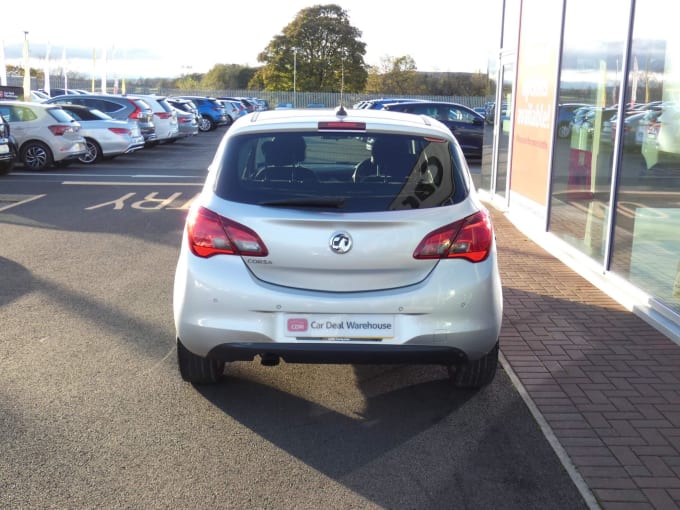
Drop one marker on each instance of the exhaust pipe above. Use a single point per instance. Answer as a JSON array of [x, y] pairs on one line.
[[269, 360]]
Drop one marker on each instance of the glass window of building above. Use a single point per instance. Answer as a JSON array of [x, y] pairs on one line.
[[594, 41], [646, 244]]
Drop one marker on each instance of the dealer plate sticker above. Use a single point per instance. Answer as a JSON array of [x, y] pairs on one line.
[[340, 326]]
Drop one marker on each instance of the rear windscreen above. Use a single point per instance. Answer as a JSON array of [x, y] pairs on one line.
[[348, 171]]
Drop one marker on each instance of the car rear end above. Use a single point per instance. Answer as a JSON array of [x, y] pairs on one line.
[[143, 115], [62, 133], [290, 256]]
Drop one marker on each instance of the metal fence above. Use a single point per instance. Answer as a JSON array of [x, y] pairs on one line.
[[300, 99]]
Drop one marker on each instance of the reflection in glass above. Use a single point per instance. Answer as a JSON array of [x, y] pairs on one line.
[[592, 58], [646, 248]]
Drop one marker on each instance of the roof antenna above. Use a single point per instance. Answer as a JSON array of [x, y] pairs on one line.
[[340, 112]]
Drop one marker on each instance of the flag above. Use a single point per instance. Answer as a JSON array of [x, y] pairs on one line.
[[27, 70], [94, 66], [3, 69], [47, 70], [64, 71], [104, 74]]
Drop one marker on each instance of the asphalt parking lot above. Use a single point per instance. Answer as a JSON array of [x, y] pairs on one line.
[[93, 412]]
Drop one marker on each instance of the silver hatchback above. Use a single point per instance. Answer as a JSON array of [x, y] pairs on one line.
[[333, 236]]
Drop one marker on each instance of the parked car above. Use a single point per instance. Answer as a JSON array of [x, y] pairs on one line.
[[105, 136], [286, 254], [661, 143], [212, 112], [565, 114], [164, 119], [186, 123], [117, 106], [38, 97], [378, 104], [45, 134], [284, 106], [235, 109], [185, 105], [466, 124], [9, 152]]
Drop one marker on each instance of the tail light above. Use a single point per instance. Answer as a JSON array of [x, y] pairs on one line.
[[163, 115], [211, 234], [138, 113], [59, 130], [120, 131], [470, 238]]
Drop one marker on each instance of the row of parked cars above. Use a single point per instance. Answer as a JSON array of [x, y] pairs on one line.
[[466, 124], [79, 126]]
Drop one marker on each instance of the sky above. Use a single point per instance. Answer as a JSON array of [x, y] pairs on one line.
[[440, 35]]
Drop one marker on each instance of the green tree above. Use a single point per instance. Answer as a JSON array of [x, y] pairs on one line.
[[227, 76], [319, 51], [395, 76]]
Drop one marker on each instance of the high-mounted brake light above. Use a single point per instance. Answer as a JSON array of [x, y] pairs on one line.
[[211, 234], [342, 126], [470, 238]]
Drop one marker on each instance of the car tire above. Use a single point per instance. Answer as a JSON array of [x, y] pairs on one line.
[[206, 124], [197, 369], [563, 130], [93, 154], [6, 167], [475, 374], [36, 156]]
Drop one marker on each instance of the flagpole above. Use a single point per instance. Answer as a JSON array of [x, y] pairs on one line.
[[47, 70], [3, 69], [27, 69], [64, 72]]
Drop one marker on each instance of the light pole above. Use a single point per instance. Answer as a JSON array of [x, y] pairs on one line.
[[295, 77]]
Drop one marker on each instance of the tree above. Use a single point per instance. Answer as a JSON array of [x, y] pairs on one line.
[[395, 75], [319, 51], [227, 76]]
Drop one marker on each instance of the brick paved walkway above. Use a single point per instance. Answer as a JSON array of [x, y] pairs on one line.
[[606, 382]]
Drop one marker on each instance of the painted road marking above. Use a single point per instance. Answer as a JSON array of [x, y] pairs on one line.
[[129, 183], [15, 200]]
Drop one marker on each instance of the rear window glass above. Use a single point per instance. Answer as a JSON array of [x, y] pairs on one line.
[[60, 115], [354, 173]]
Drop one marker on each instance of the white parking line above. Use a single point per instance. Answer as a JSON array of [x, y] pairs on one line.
[[128, 183], [16, 200]]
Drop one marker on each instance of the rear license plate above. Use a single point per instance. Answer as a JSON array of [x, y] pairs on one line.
[[339, 326]]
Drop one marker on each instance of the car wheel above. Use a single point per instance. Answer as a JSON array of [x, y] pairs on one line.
[[93, 154], [475, 374], [197, 369], [36, 156], [206, 124], [6, 167], [563, 130]]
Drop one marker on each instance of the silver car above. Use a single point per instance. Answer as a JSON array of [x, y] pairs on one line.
[[45, 133], [105, 136], [334, 236]]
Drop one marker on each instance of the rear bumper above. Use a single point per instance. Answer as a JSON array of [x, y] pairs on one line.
[[330, 353]]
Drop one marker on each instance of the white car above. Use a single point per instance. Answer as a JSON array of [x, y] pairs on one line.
[[334, 236], [164, 117], [45, 134]]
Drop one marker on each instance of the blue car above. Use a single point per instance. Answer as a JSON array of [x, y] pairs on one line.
[[213, 113]]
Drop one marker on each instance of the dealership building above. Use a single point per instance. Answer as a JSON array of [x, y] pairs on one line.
[[582, 148]]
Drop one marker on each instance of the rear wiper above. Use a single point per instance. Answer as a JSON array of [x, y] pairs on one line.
[[335, 202]]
